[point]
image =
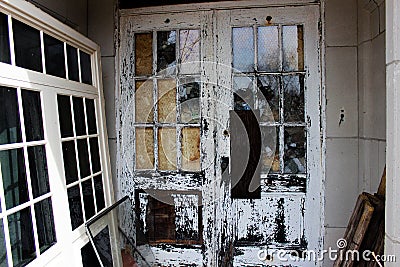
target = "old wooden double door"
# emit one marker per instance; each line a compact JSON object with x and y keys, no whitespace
{"x":183,"y":77}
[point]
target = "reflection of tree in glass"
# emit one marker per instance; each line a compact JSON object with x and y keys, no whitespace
{"x":166,"y":42}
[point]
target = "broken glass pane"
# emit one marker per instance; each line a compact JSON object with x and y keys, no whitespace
{"x":144,"y":148}
{"x":243,"y":93}
{"x":166,"y":54}
{"x":295,"y":150}
{"x":268,"y":49}
{"x":293,"y":101}
{"x":191,"y":149}
{"x":167,"y":148}
{"x":166,"y":100}
{"x":144,"y":108}
{"x":268,"y":98}
{"x":143,"y":54}
{"x":189,"y":49}
{"x":293,"y":48}
{"x":189,"y":100}
{"x":243,"y":49}
{"x":270,"y":149}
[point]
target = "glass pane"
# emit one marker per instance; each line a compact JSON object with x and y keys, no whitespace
{"x":32,"y":115}
{"x":144,"y":108}
{"x":295,"y":150}
{"x":189,"y":46}
{"x":14,"y":177}
{"x":10,"y":129}
{"x":64,"y":115}
{"x":189,"y":100}
{"x":293,"y":48}
{"x":28,"y":53}
{"x":70,"y":165}
{"x":72,"y":60}
{"x":167,"y":148}
{"x":144,"y":148}
{"x":191,"y":149}
{"x":293,"y":88}
{"x":94,"y":153}
{"x":54,"y":56}
{"x":167,"y":100}
{"x":99,"y":191}
{"x":268,"y":49}
{"x":103,"y":248}
{"x":91,"y":116}
{"x":45,"y":224}
{"x":83,"y":158}
{"x":143,"y":54}
{"x":86,"y":67}
{"x":38,"y":169}
{"x":166,"y":54}
{"x":21,"y":237}
{"x":88,"y":199}
{"x":268,"y":98}
{"x":3,"y":251}
{"x":75,"y":206}
{"x":79,"y":116}
{"x":5,"y":56}
{"x":243,"y":93}
{"x":243,"y":49}
{"x":270,"y":150}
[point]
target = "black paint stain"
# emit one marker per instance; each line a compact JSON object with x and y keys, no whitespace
{"x":280,"y":230}
{"x":205,"y":125}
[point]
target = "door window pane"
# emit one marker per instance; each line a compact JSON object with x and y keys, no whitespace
{"x":191,"y":149}
{"x":293,"y":48}
{"x":75,"y":207}
{"x":143,"y":54}
{"x":144,"y":108}
{"x":189,"y":100}
{"x":64,"y":115}
{"x":293,"y":89}
{"x":91,"y":116}
{"x":79,"y":116}
{"x":38,"y":170}
{"x":45,"y":224}
{"x":86,"y":67}
{"x":88,"y":199}
{"x":72,"y":61}
{"x":83,"y":158}
{"x":167,"y":148}
{"x":54,"y":56}
{"x":243,"y":93}
{"x":167,"y":100}
{"x":21,"y":237}
{"x":295,"y":150}
{"x":268,"y":49}
{"x":243,"y":49}
{"x":28,"y":53}
{"x":99,"y":191}
{"x":10,"y":129}
{"x":32,"y":115}
{"x":14,"y":177}
{"x":5,"y":56}
{"x":189,"y":51}
{"x":270,"y":161}
{"x":144,"y":148}
{"x":70,"y":165}
{"x":166,"y":54}
{"x":268,"y":98}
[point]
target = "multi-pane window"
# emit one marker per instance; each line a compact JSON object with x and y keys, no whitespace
{"x":81,"y":155}
{"x":268,"y":76}
{"x":26,"y":212}
{"x":28,"y":43}
{"x":167,"y":100}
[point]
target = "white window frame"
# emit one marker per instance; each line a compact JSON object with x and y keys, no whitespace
{"x":69,"y":243}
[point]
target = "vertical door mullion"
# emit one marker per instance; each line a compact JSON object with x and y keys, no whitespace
{"x":155,"y":101}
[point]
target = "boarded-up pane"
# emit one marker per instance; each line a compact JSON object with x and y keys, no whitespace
{"x":167,"y":100}
{"x":143,"y":53}
{"x":144,"y":101}
{"x":293,"y":48}
{"x":191,"y":149}
{"x":167,"y":149}
{"x":144,"y":148}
